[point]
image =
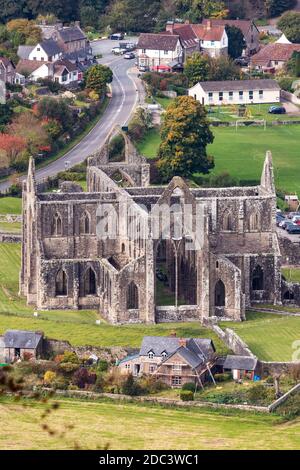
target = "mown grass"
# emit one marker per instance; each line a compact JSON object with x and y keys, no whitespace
{"x":271,"y":337}
{"x":14,"y":227}
{"x":291,"y":274}
{"x":127,"y":426}
{"x":77,"y":327}
{"x":10,"y":205}
{"x":241,"y":152}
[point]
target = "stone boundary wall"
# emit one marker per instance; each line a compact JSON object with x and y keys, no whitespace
{"x":284,"y":397}
{"x":156,"y":400}
{"x":231,"y":339}
{"x":290,"y":250}
{"x":290,"y":97}
{"x":6,"y":237}
{"x":179,"y":314}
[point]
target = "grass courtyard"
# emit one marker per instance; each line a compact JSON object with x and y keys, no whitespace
{"x":134,"y":426}
{"x":241,"y":152}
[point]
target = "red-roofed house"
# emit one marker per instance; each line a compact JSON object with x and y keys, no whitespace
{"x":274,"y":55}
{"x":210,"y":39}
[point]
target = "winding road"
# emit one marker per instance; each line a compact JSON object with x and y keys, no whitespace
{"x":124,"y":98}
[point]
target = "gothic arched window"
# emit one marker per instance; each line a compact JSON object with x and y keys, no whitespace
{"x":61,"y":283}
{"x":258,"y":278}
{"x":220,"y":294}
{"x":85,"y":224}
{"x":132,"y":297}
{"x":90,"y":287}
{"x":57,"y":225}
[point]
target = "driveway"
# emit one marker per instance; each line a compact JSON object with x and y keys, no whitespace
{"x":125,"y":96}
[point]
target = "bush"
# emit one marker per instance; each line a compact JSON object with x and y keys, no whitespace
{"x":71,"y":357}
{"x":99,"y":384}
{"x":49,"y":377}
{"x":259,"y":393}
{"x":68,"y":367}
{"x":150,"y":384}
{"x":102,"y":366}
{"x":186,"y":395}
{"x":223,"y":377}
{"x":82,"y":377}
{"x":131,"y":387}
{"x":190,"y":386}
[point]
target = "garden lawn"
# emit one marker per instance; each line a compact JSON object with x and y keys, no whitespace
{"x":14,"y":227}
{"x":127,"y":426}
{"x":291,"y":274}
{"x":270,"y":337}
{"x":241,"y":153}
{"x":10,"y":205}
{"x":77,"y":327}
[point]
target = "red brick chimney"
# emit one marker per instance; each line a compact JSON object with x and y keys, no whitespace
{"x":170,"y":27}
{"x":182,"y":342}
{"x":208,"y":25}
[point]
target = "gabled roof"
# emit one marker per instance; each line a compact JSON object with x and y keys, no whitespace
{"x":71,"y":33}
{"x":274,"y":52}
{"x":50,"y":47}
{"x":61,"y":65}
{"x":206,"y":33}
{"x":240,"y":363}
{"x":24,"y":51}
{"x":243,"y":25}
{"x":239,"y":85}
{"x":30,"y":66}
{"x":158,"y":42}
{"x":22,"y":339}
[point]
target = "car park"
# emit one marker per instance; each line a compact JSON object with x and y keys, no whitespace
{"x":285,"y":223}
{"x":277,"y":110}
{"x":293,"y":214}
{"x":117,"y":36}
{"x":129,"y":55}
{"x":293,"y":229}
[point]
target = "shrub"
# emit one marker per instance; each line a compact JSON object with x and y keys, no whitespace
{"x":27,"y":356}
{"x":223,"y":377}
{"x":131,"y":387}
{"x":102,"y":366}
{"x":259,"y":393}
{"x":190,"y":386}
{"x":150,"y":384}
{"x":99,"y":384}
{"x":68,"y":367}
{"x":186,"y":395}
{"x":49,"y":377}
{"x":82,"y":377}
{"x":71,"y":357}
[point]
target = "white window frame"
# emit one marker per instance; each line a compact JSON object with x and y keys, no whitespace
{"x":176,"y":380}
{"x":177,"y":367}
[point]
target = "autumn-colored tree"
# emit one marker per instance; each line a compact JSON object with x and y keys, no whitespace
{"x":11,"y":146}
{"x":97,"y":77}
{"x":197,"y":68}
{"x":29,"y":128}
{"x":24,"y":31}
{"x":185,"y":135}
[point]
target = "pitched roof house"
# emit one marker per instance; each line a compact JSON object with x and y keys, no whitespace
{"x":241,"y":366}
{"x":174,"y":361}
{"x":62,"y":71}
{"x":208,"y":38}
{"x":248,"y":28}
{"x":158,"y":50}
{"x":46,"y":51}
{"x":274,"y":55}
{"x":7,"y":70}
{"x":72,"y":40}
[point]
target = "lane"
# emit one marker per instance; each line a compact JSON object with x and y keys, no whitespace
{"x":118,"y":112}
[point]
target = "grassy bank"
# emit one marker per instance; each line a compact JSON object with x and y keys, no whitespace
{"x":130,"y":426}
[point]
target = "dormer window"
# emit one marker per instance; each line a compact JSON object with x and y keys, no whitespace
{"x":164,"y":354}
{"x":151,"y":354}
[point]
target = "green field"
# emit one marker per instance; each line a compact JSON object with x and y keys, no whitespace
{"x":291,"y":275}
{"x":14,"y":227}
{"x":125,"y":426}
{"x":10,"y":205}
{"x":270,"y":337}
{"x":241,"y":153}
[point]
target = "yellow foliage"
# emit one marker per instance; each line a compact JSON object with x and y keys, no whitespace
{"x":49,"y":377}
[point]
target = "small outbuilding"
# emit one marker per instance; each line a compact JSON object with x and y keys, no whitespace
{"x":242,"y":367}
{"x":17,"y":344}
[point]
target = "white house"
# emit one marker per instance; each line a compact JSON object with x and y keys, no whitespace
{"x":154,"y":50}
{"x":62,"y":71}
{"x":236,"y":92}
{"x":46,"y":51}
{"x":65,"y":73}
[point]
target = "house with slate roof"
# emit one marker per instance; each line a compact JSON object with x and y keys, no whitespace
{"x":46,"y":51}
{"x":174,"y":361}
{"x":17,"y":343}
{"x":242,"y":367}
{"x":159,"y":50}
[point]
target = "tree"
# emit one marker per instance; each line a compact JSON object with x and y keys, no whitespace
{"x":277,"y":7}
{"x":185,"y":135}
{"x":57,"y":110}
{"x":236,"y":41}
{"x":289,"y":23}
{"x":24,"y":31}
{"x":31,"y":130}
{"x":11,"y":146}
{"x":223,"y":68}
{"x":197,"y":68}
{"x":131,"y":387}
{"x":196,"y":10}
{"x":97,"y":78}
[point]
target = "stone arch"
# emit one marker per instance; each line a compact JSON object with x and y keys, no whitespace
{"x":57,"y":225}
{"x":116,"y":149}
{"x":227,"y":221}
{"x":85,"y":223}
{"x":61,"y":283}
{"x":132,"y":297}
{"x":122,"y":179}
{"x":220,"y":294}
{"x":89,"y":282}
{"x":288,"y":295}
{"x":254,"y":221}
{"x":258,"y":279}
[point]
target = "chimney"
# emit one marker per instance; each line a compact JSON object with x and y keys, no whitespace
{"x":77,"y":23}
{"x":170,"y":27}
{"x":173,"y":334}
{"x":208,"y":24}
{"x":182,"y":342}
{"x":187,"y":22}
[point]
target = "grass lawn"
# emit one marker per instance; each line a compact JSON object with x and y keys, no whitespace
{"x":14,"y":227}
{"x":10,"y":205}
{"x":78,"y":327}
{"x":269,"y":336}
{"x":126,"y":426}
{"x":291,"y":274}
{"x":255,"y":112}
{"x":242,"y":152}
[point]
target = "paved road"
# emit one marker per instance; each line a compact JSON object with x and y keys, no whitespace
{"x":124,"y":99}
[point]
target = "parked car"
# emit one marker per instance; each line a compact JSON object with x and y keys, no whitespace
{"x":129,"y":55}
{"x":293,"y":229}
{"x":144,"y":68}
{"x":279,"y":218}
{"x":118,"y":51}
{"x":117,"y":37}
{"x":293,"y":214}
{"x":242,"y":61}
{"x":285,"y":223}
{"x":277,"y":110}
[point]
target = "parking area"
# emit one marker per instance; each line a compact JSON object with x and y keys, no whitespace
{"x":288,"y":226}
